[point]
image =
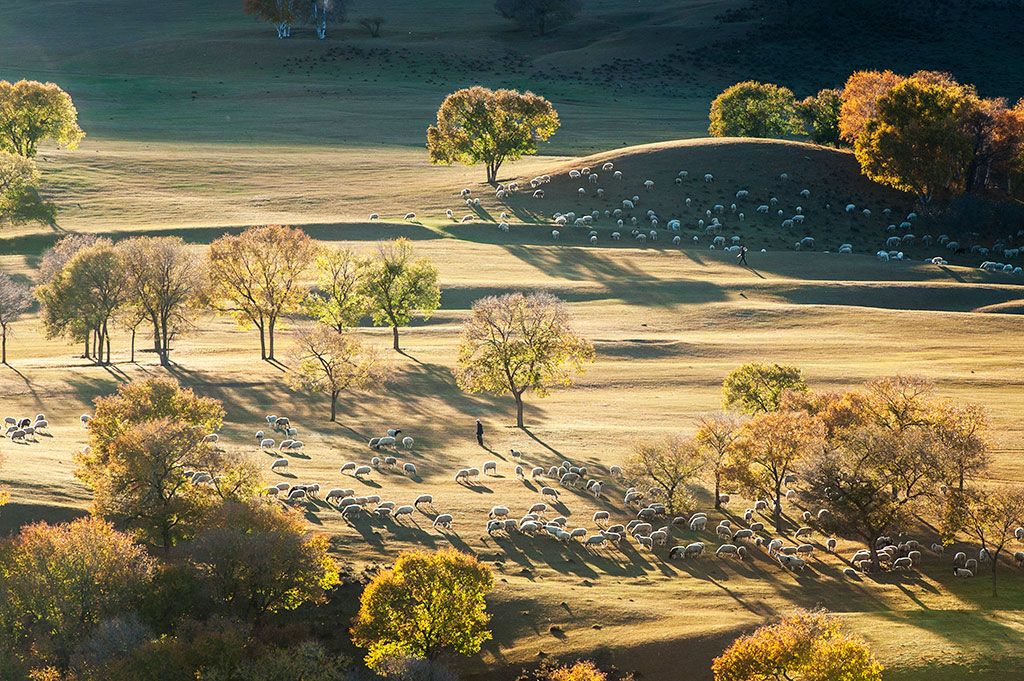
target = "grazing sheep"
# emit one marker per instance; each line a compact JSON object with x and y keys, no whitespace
{"x":279,"y":463}
{"x":549,"y":492}
{"x":444,"y":520}
{"x":960,"y":558}
{"x":726,"y":550}
{"x":554,"y":234}
{"x":802,"y":531}
{"x":350,"y":466}
{"x":520,"y":473}
{"x":971,"y":565}
{"x":830,"y":545}
{"x":723,"y":499}
{"x":537,"y":473}
{"x":402,"y":510}
{"x":491,"y":467}
{"x":499,"y":512}
{"x":688,"y":551}
{"x":409,"y":469}
{"x":962,"y":573}
{"x":362,"y":470}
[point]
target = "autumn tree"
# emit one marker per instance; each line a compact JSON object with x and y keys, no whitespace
{"x":82,"y":298}
{"x":752,"y":109}
{"x":426,"y":604}
{"x":20,"y":201}
{"x":61,"y":580}
{"x":258,"y":558}
{"x":716,"y":435}
{"x":918,"y":141}
{"x":988,"y":516}
{"x":31,"y":112}
{"x":145,"y":481}
{"x":860,"y":97}
{"x":584,"y":670}
{"x":805,"y":646}
{"x":15,"y":299}
{"x":57,"y":256}
{"x":331,"y":362}
{"x":477,"y":125}
{"x":671,"y":464}
{"x":757,"y":387}
{"x":820,"y":116}
{"x":280,"y":13}
{"x":770,"y":447}
{"x":997,"y":135}
{"x":514,"y":344}
{"x":963,"y":431}
{"x":539,"y":15}
{"x":142,"y":401}
{"x":396,"y":286}
{"x":257,"y":277}
{"x":337,"y":300}
{"x":168,"y":285}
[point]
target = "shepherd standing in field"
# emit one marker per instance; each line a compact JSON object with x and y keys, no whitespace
{"x":479,"y":433}
{"x":742,"y":257}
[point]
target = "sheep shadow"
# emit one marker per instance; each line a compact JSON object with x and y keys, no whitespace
{"x":292,"y":476}
{"x":369,"y":483}
{"x":478,"y":488}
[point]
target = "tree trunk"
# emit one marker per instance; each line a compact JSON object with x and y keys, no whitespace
{"x":394,"y":330}
{"x":3,"y":347}
{"x":777,"y":513}
{"x":133,"y":346}
{"x":334,"y":405}
{"x":263,"y":342}
{"x":86,"y":346}
{"x":270,"y":338}
{"x":519,"y":409}
{"x":995,"y":563}
{"x":718,"y":492}
{"x":873,"y":547}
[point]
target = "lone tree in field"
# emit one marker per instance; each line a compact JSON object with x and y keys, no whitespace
{"x":332,"y":362}
{"x":806,"y":646}
{"x":671,"y":464}
{"x":513,"y":344}
{"x":716,"y":435}
{"x":61,"y":581}
{"x":373,"y":25}
{"x":426,"y":604}
{"x":141,"y":485}
{"x":396,"y":286}
{"x":257,"y":558}
{"x":770,"y":447}
{"x":168,"y":285}
{"x":756,"y":388}
{"x":477,"y":125}
{"x":280,"y":13}
{"x":31,"y":112}
{"x":319,"y":12}
{"x":918,"y":140}
{"x":337,"y":300}
{"x":988,"y":516}
{"x":539,"y":15}
{"x":15,"y":299}
{"x":256,"y":276}
{"x":752,"y":109}
{"x":19,"y":193}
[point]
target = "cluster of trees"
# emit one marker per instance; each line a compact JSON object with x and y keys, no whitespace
{"x":539,"y":16}
{"x":879,"y":459}
{"x":31,"y":112}
{"x":478,"y":125}
{"x":926,"y":133}
{"x":283,"y":14}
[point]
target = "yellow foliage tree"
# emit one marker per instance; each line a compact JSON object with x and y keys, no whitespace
{"x":584,"y":670}
{"x":396,"y":286}
{"x":669,"y":464}
{"x":426,"y":604}
{"x":806,"y":646}
{"x":31,"y":112}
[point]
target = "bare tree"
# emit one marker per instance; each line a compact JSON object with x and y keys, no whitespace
{"x":15,"y":299}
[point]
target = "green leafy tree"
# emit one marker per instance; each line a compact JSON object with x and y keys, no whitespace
{"x":337,"y":300}
{"x":757,"y":387}
{"x":331,"y":362}
{"x":670,"y":464}
{"x":146,"y":483}
{"x":257,"y":277}
{"x":60,"y":581}
{"x":539,"y":15}
{"x":31,"y":112}
{"x":918,"y":140}
{"x":425,"y":605}
{"x":397,"y":286}
{"x":752,"y":109}
{"x":19,"y":192}
{"x":257,"y":558}
{"x":477,"y":125}
{"x":514,"y":344}
{"x":820,"y":116}
{"x":15,"y":299}
{"x":805,"y":646}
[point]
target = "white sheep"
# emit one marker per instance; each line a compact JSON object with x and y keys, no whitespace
{"x":409,"y":469}
{"x":554,"y":234}
{"x":267,"y":443}
{"x":279,"y":463}
{"x":362,"y":470}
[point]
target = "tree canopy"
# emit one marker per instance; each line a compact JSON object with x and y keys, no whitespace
{"x":20,"y":201}
{"x":31,"y":112}
{"x":820,"y":115}
{"x":337,"y":300}
{"x":477,"y":125}
{"x":670,"y":464}
{"x":539,"y":15}
{"x":752,"y":109}
{"x":15,"y":299}
{"x":757,"y":387}
{"x":396,"y":286}
{"x":516,"y":344}
{"x":426,"y":604}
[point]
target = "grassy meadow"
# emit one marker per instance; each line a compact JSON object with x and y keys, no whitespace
{"x":200,"y":122}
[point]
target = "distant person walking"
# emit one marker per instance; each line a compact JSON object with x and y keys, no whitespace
{"x":742,"y":257}
{"x":479,"y":433}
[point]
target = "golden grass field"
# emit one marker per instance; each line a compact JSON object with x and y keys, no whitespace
{"x":667,"y":323}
